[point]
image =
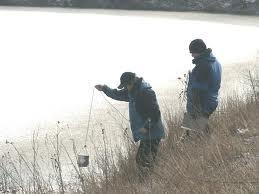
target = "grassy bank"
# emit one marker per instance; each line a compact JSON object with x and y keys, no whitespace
{"x":226,"y":163}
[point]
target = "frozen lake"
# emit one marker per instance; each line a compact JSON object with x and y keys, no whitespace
{"x":51,"y":58}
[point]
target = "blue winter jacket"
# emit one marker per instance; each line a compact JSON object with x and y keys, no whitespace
{"x":204,"y":84}
{"x":143,"y":109}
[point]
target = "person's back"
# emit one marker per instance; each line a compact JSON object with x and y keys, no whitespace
{"x":214,"y":81}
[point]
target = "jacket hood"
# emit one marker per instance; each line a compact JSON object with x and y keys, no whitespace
{"x":144,"y":84}
{"x":205,"y":57}
{"x":140,"y":85}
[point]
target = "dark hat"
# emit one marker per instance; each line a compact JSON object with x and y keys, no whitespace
{"x":126,"y":78}
{"x":197,"y":46}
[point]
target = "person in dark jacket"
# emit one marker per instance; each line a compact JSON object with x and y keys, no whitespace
{"x":203,"y":88}
{"x":144,"y":113}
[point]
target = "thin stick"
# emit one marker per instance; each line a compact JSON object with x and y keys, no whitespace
{"x":114,"y":107}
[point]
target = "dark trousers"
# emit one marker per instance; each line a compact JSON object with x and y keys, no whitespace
{"x":147,"y":153}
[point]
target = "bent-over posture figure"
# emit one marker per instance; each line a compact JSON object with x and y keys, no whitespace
{"x":144,"y":113}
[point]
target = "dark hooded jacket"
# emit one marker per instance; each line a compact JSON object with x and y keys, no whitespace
{"x":143,"y":109}
{"x":204,"y":84}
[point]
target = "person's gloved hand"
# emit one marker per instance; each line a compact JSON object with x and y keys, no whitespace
{"x":99,"y":87}
{"x":143,"y":130}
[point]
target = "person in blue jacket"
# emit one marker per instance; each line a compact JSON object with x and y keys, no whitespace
{"x":203,"y":88}
{"x":144,"y":113}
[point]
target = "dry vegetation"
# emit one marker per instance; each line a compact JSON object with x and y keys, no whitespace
{"x":226,"y":163}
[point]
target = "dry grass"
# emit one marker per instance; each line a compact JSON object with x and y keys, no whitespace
{"x":224,"y":164}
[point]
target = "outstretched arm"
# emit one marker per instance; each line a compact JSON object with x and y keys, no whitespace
{"x":121,"y":95}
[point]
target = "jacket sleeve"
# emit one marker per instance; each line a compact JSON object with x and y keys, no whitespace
{"x":194,"y":91}
{"x":200,"y":85}
{"x":202,"y":75}
{"x":153,"y":113}
{"x":196,"y":100}
{"x":121,"y":95}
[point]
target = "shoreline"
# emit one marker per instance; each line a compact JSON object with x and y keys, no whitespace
{"x":248,"y":7}
{"x":226,"y":18}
